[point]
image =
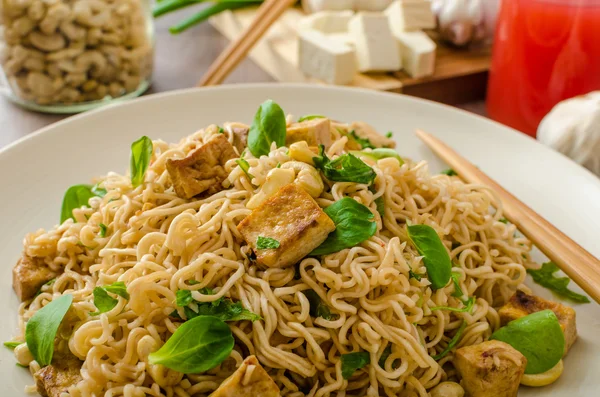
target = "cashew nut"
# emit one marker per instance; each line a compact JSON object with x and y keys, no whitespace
{"x":307,"y":177}
{"x":94,"y":13}
{"x":75,"y":79}
{"x":89,"y":86}
{"x":301,"y":152}
{"x":55,"y":15}
{"x":448,"y":389}
{"x":74,"y":49}
{"x":42,"y":85}
{"x":91,"y":60}
{"x":36,"y":64}
{"x":93,"y":36}
{"x":276,"y":179}
{"x":72,"y":31}
{"x":23,"y":25}
{"x":51,"y":42}
{"x":36,"y":10}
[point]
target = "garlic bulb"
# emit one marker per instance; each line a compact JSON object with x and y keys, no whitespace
{"x":463,"y":22}
{"x":573,"y":129}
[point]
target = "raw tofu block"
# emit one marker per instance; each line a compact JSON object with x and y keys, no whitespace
{"x":249,"y":380}
{"x":54,"y":380}
{"x":376,"y":48}
{"x":418,"y":53}
{"x":326,"y":59}
{"x":490,"y":368}
{"x":371,"y":5}
{"x":315,"y":132}
{"x":327,"y":22}
{"x":294,"y":219}
{"x":521,"y":305}
{"x":407,"y":15}
{"x":311,"y":6}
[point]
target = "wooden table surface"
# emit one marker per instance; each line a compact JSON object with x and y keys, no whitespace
{"x":180,"y":61}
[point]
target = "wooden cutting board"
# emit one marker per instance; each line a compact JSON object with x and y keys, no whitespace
{"x":460,"y":75}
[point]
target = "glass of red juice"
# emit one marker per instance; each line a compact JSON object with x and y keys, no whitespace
{"x":544,"y":51}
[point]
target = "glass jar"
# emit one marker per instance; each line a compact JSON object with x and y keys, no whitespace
{"x":544,"y":51}
{"x":67,"y":56}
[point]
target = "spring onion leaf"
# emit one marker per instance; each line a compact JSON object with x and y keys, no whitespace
{"x":469,"y":303}
{"x":12,"y":345}
{"x":263,"y":243}
{"x":435,"y":257}
{"x":103,"y":229}
{"x":269,"y":126}
{"x":379,"y":153}
{"x":310,"y":117}
{"x":455,"y":339}
{"x":414,"y":275}
{"x":245,"y":166}
{"x":503,"y":220}
{"x":363,"y":142}
{"x":139,"y":160}
{"x":354,"y":361}
{"x":538,"y":337}
{"x":42,"y":327}
{"x":449,"y":172}
{"x":545,"y":277}
{"x":198,"y":345}
{"x":77,"y":196}
{"x":317,"y":307}
{"x":458,"y":293}
{"x":346,"y":168}
{"x":354,"y":223}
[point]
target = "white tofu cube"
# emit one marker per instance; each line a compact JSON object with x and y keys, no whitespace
{"x":407,"y":15}
{"x":371,"y":5}
{"x":328,"y":22}
{"x":326,"y":59}
{"x":311,"y":6}
{"x":418,"y":53}
{"x":376,"y":49}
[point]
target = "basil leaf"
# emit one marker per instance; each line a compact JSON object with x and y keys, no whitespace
{"x":139,"y":160}
{"x":449,"y":172}
{"x":12,"y":345}
{"x":198,"y":345}
{"x":363,"y":142}
{"x":352,"y":362}
{"x":458,"y":292}
{"x":103,"y":229}
{"x":311,"y":117}
{"x":117,"y":288}
{"x":184,"y":297}
{"x":346,"y":168}
{"x":379,"y":153}
{"x":103,"y":301}
{"x":245,"y":166}
{"x":469,"y":303}
{"x":223,"y":309}
{"x":435,"y":257}
{"x":317,"y":307}
{"x":455,"y":339}
{"x":545,"y":277}
{"x":380,"y":203}
{"x":538,"y":337}
{"x":263,"y":243}
{"x":269,"y":126}
{"x":76,"y":196}
{"x":414,"y":275}
{"x":354,"y":223}
{"x":42,"y":327}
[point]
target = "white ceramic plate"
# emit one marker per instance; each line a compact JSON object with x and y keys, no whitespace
{"x":36,"y":171}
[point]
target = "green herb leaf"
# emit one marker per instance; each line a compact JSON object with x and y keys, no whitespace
{"x":346,"y":168}
{"x":468,"y":307}
{"x":76,"y":196}
{"x":503,"y":220}
{"x":455,"y":339}
{"x":458,"y":292}
{"x":263,"y":243}
{"x":354,"y":223}
{"x":538,"y":337}
{"x":223,"y":309}
{"x":99,"y":191}
{"x":103,"y":229}
{"x":198,"y":345}
{"x":363,"y":142}
{"x":435,"y":257}
{"x":42,"y":327}
{"x":117,"y":288}
{"x":414,"y":275}
{"x":269,"y":126}
{"x":220,"y":130}
{"x":47,"y":283}
{"x":545,"y":277}
{"x":380,"y":203}
{"x":384,"y":355}
{"x":379,"y":153}
{"x":311,"y":117}
{"x":317,"y":307}
{"x":245,"y":166}
{"x":354,"y":361}
{"x":184,"y":297}
{"x":12,"y":345}
{"x":449,"y":172}
{"x":389,"y":134}
{"x":141,"y":153}
{"x":103,"y":301}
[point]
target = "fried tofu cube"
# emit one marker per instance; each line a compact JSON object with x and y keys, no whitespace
{"x":365,"y":131}
{"x":203,"y":170}
{"x":29,"y":274}
{"x":315,"y":132}
{"x":521,"y":305}
{"x":490,"y":368}
{"x":293,"y":219}
{"x":240,"y":135}
{"x":55,"y":379}
{"x":249,"y":380}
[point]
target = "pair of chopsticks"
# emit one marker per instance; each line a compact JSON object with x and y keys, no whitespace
{"x":581,"y":266}
{"x":237,"y":50}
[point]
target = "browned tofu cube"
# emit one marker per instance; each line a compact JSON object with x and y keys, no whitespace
{"x":202,"y":171}
{"x":55,"y":379}
{"x":490,"y":368}
{"x":249,"y":380}
{"x":29,"y":274}
{"x":521,"y":305}
{"x":365,"y":131}
{"x":240,"y":135}
{"x":294,"y":219}
{"x":315,"y":132}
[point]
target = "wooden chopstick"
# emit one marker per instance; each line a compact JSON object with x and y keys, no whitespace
{"x":581,"y":266}
{"x":237,"y":50}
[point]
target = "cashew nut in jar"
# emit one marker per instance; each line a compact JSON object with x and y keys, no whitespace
{"x":94,"y":13}
{"x":54,"y":16}
{"x":276,"y":179}
{"x":307,"y":177}
{"x":52,"y":42}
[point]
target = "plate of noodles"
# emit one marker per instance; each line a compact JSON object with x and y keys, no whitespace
{"x":287,"y":240}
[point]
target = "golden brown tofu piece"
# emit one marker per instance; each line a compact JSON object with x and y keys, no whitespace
{"x":203,"y":169}
{"x":294,"y":219}
{"x":240,"y":135}
{"x":249,"y":380}
{"x":364,"y":131}
{"x":521,"y":305}
{"x":29,"y":274}
{"x":490,"y":368}
{"x":55,"y":379}
{"x":315,"y":132}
